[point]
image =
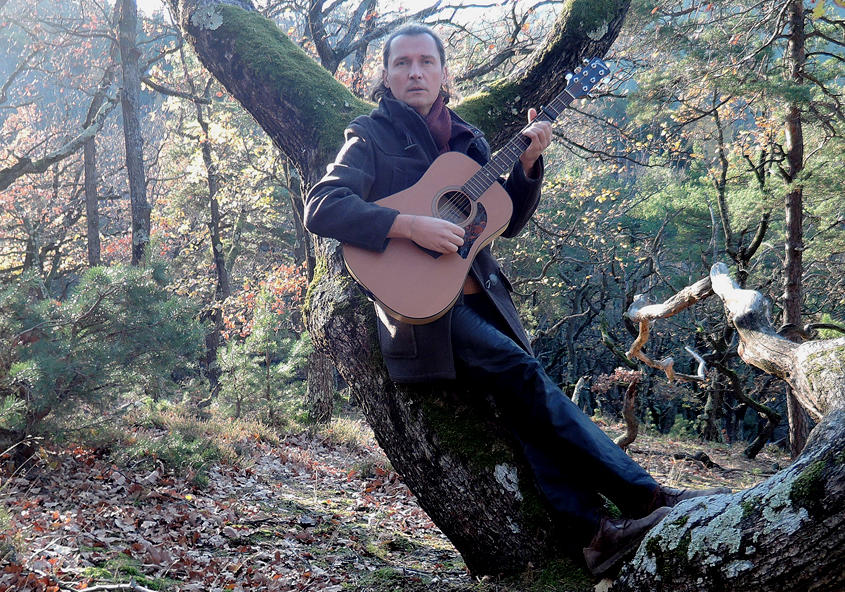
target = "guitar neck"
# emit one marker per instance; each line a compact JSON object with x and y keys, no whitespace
{"x":505,"y":158}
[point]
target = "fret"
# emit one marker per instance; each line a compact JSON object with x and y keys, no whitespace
{"x":505,"y":158}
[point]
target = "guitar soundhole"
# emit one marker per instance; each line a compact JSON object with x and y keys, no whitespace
{"x":454,"y":206}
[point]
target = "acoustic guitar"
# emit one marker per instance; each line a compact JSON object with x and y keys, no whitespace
{"x":418,"y":286}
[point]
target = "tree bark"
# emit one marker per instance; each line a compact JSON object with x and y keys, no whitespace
{"x":131,"y":105}
{"x":465,"y":474}
{"x":632,"y":424}
{"x":223,"y":288}
{"x":799,"y":423}
{"x":89,"y":151}
{"x":92,"y":204}
{"x":320,"y":387}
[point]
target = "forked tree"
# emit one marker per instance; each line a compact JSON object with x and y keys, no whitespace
{"x":449,"y":446}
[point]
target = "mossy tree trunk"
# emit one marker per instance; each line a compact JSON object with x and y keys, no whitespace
{"x":785,"y":534}
{"x":448,"y":446}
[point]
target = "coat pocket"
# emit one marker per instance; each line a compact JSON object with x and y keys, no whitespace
{"x":398,"y":339}
{"x":398,"y":180}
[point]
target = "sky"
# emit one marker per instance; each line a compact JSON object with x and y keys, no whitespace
{"x":150,"y":6}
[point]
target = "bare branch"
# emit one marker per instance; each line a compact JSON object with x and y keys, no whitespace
{"x":172,"y":92}
{"x":645,"y":314}
{"x":26,"y":166}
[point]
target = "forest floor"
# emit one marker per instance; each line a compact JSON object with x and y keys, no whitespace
{"x":302,"y":514}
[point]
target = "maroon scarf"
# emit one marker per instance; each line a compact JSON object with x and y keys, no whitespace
{"x":439,"y":123}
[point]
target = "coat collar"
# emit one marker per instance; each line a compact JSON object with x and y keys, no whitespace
{"x":409,"y":123}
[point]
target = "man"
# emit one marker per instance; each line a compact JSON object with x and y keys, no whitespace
{"x":480,"y":340}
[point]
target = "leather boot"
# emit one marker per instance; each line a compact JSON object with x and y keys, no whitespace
{"x":668,"y":497}
{"x":617,"y":537}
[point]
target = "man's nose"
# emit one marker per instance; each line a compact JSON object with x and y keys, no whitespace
{"x":416,"y":71}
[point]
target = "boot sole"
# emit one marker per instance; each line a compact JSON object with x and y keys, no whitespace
{"x":618,"y":556}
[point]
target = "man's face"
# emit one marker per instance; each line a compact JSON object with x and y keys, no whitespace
{"x":414,"y":73}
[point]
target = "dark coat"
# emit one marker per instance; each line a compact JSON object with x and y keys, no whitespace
{"x":388,"y":151}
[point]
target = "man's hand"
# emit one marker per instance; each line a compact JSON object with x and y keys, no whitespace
{"x":428,"y":232}
{"x":540,"y":134}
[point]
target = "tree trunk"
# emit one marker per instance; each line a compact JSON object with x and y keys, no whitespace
{"x":632,"y":424}
{"x":131,"y":105}
{"x":92,"y":198}
{"x":799,"y":423}
{"x":450,"y":450}
{"x":581,"y":395}
{"x":320,"y":387}
{"x":448,"y":445}
{"x":92,"y":204}
{"x":223,"y":288}
{"x":321,"y":373}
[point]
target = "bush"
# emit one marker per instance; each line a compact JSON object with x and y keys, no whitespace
{"x":120,"y":335}
{"x":682,"y":428}
{"x":263,"y":375}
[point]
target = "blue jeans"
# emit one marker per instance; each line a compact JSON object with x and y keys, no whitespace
{"x":573,"y":461}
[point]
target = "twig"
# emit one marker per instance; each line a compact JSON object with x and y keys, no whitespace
{"x":631,"y":421}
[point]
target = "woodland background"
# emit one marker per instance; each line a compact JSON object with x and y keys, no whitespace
{"x":153,"y":260}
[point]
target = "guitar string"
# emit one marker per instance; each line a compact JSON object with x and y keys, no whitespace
{"x":483,"y":179}
{"x":454,"y":208}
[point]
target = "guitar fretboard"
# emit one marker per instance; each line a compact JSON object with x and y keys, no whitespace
{"x":505,"y":158}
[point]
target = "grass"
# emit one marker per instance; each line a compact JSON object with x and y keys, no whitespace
{"x":125,"y":569}
{"x":185,"y":442}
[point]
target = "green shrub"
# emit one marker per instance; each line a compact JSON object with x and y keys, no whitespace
{"x":263,"y":375}
{"x":119,"y":335}
{"x":682,"y":429}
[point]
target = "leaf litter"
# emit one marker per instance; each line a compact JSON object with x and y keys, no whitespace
{"x":303,"y":514}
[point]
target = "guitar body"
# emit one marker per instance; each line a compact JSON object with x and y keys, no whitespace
{"x":418,"y":286}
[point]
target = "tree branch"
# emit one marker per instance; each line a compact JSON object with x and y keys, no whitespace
{"x":26,"y":166}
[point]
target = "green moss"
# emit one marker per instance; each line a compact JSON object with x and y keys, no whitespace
{"x":271,"y":56}
{"x":534,"y":508}
{"x":588,"y":15}
{"x":123,"y":568}
{"x":750,"y":507}
{"x":390,"y":580}
{"x":681,"y":521}
{"x":320,"y":270}
{"x":463,"y":433}
{"x":341,"y":283}
{"x":560,"y":576}
{"x":489,"y":108}
{"x":669,"y":561}
{"x":808,"y":490}
{"x":471,"y":438}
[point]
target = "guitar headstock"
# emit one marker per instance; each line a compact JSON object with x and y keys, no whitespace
{"x":586,"y":77}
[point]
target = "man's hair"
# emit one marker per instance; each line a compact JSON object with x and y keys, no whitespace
{"x":411,"y":29}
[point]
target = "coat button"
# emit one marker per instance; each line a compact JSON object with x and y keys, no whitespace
{"x":492,"y":280}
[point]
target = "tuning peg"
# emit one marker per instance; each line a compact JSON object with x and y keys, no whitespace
{"x":578,"y":70}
